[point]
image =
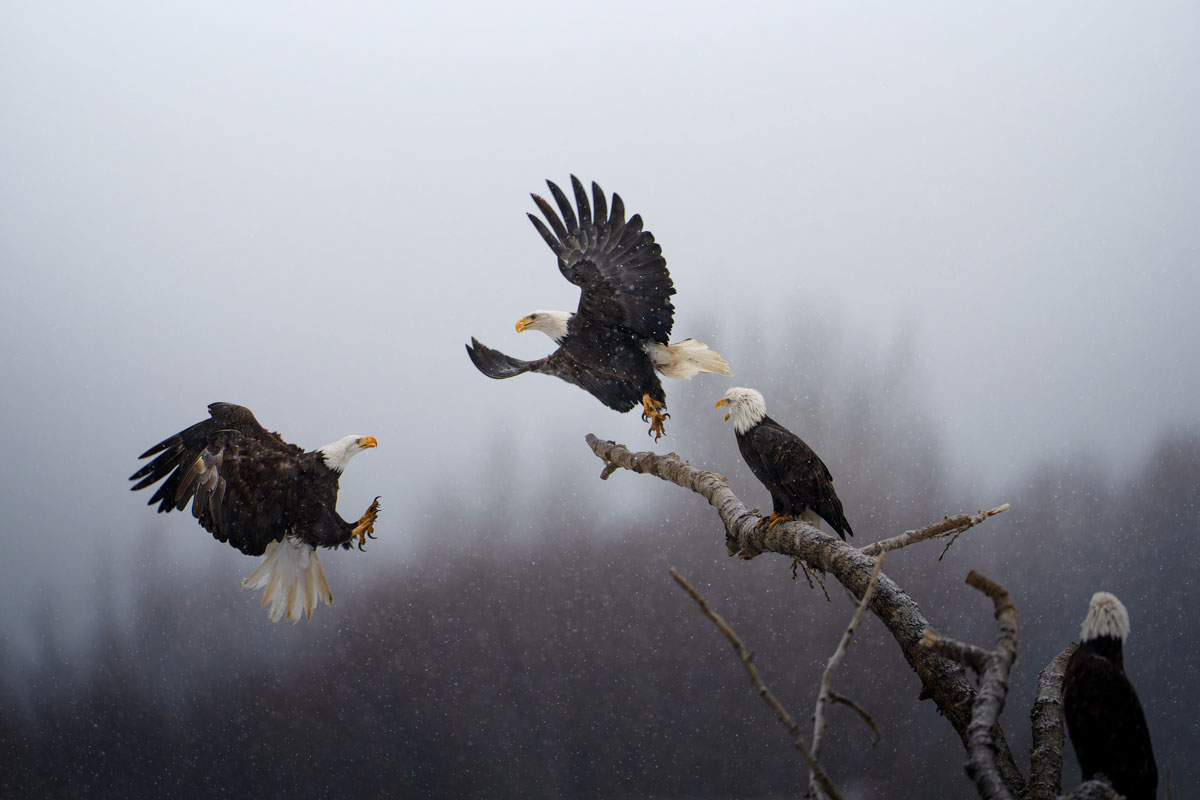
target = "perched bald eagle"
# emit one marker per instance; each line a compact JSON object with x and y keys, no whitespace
{"x":250,"y":488}
{"x":799,"y":482}
{"x":616,"y":341}
{"x":1104,"y":716}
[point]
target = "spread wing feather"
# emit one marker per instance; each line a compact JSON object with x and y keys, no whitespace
{"x":618,"y":266}
{"x":245,"y":484}
{"x":615,"y":391}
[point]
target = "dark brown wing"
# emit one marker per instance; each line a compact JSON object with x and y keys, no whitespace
{"x":615,"y":390}
{"x":1107,"y":725}
{"x":617,"y":265}
{"x":245,"y":484}
{"x":794,"y":473}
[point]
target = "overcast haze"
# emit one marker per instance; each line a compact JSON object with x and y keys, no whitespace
{"x":309,"y":209}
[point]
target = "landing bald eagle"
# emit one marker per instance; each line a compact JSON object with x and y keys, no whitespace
{"x":1104,"y":716}
{"x":799,"y":482}
{"x":616,"y":340}
{"x":250,"y":488}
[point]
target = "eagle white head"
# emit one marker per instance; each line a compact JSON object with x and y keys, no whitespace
{"x":1106,"y":617}
{"x":746,"y":407}
{"x":551,"y":323}
{"x":338,"y":454}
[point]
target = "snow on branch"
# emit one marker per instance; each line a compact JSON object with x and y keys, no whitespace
{"x":942,"y":679}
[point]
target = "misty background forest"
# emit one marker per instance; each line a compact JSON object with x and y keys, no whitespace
{"x":537,"y":647}
{"x":954,"y":246}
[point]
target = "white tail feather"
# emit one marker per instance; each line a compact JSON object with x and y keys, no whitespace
{"x":685,"y":359}
{"x":294,"y":580}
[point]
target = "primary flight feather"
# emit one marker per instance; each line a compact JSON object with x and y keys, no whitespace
{"x":615,"y":344}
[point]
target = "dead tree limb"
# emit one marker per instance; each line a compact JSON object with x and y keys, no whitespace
{"x":947,"y":527}
{"x":826,"y":695}
{"x":746,"y":656}
{"x":1049,"y":734}
{"x":993,"y":668}
{"x":942,"y":680}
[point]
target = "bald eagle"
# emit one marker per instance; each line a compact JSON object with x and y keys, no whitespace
{"x":617,"y":339}
{"x":1104,"y":716}
{"x":250,"y":488}
{"x":799,"y":482}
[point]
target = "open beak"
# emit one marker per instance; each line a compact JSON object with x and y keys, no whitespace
{"x":723,"y":402}
{"x":523,"y":323}
{"x":368,"y":441}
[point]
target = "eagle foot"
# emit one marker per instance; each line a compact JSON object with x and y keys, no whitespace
{"x":366,"y":524}
{"x":774,"y":520}
{"x":654,"y":413}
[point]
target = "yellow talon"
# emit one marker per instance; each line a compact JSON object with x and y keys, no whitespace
{"x":366,"y":524}
{"x":774,"y":520}
{"x":652,"y":412}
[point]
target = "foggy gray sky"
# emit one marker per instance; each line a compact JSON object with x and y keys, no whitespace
{"x":309,"y":209}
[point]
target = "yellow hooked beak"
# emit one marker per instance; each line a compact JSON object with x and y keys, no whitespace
{"x":723,"y":402}
{"x":523,"y":323}
{"x":367,"y":441}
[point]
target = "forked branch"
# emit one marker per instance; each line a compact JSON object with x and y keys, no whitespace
{"x":993,"y":667}
{"x":827,"y":695}
{"x":746,"y":656}
{"x":942,"y":680}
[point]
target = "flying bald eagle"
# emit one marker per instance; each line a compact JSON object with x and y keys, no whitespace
{"x":1104,"y":716}
{"x":250,"y":488}
{"x":616,"y":341}
{"x":799,"y":482}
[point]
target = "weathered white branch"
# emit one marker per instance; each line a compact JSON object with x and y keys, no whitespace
{"x":993,"y":668}
{"x":942,"y":680}
{"x":948,"y":527}
{"x":747,"y":658}
{"x":825,"y":696}
{"x":1049,"y":734}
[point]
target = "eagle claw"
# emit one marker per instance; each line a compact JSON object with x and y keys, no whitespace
{"x":773,"y":520}
{"x":366,"y":525}
{"x":654,"y":413}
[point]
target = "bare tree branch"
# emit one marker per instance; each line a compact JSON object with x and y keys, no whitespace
{"x":942,"y":680}
{"x":747,"y":658}
{"x":950,"y":525}
{"x":993,"y":687}
{"x":862,"y":712}
{"x":1092,"y":790}
{"x":1049,"y":736}
{"x":825,"y":696}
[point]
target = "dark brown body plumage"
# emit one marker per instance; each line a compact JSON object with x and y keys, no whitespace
{"x":246,"y":485}
{"x":1105,"y":719}
{"x":794,"y":475}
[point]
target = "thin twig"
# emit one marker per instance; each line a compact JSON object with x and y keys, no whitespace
{"x":835,"y":661}
{"x":747,"y":659}
{"x":862,"y":712}
{"x":950,"y":525}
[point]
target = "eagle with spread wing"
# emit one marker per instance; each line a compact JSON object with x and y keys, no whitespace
{"x":250,"y":488}
{"x":616,"y":343}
